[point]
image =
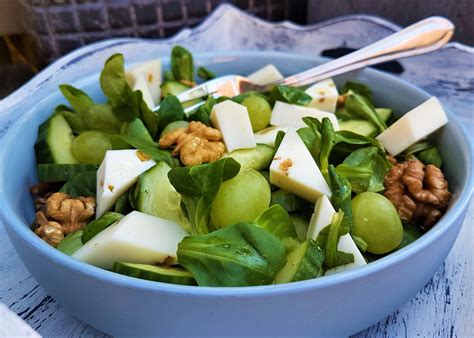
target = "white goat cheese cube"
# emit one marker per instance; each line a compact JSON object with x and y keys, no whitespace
{"x":265,"y":75}
{"x":294,"y":169}
{"x":322,"y":217}
{"x":151,"y":70}
{"x":118,"y":172}
{"x":142,"y":85}
{"x":136,"y":238}
{"x":268,"y":135}
{"x":232,"y":119}
{"x":291,"y":115}
{"x":324,"y":94}
{"x":414,"y":126}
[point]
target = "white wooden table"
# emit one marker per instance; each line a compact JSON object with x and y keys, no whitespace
{"x":444,"y":307}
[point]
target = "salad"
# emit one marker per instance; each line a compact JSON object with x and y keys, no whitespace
{"x":262,"y":188}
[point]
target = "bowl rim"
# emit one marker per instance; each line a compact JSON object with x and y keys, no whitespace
{"x":13,"y":222}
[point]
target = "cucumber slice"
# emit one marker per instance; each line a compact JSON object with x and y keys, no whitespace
{"x":173,"y":275}
{"x":361,"y":127}
{"x":154,"y":195}
{"x":54,"y":172}
{"x":305,"y":262}
{"x":258,"y":158}
{"x":384,"y":113}
{"x":123,"y":206}
{"x":54,"y":141}
{"x":176,"y":88}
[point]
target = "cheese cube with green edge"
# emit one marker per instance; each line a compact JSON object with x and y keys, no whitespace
{"x":265,"y":75}
{"x":232,"y":119}
{"x":293,"y":169}
{"x":414,"y":126}
{"x":321,"y":218}
{"x":268,"y":135}
{"x":151,"y":70}
{"x":136,"y":238}
{"x":118,"y":172}
{"x":291,"y":115}
{"x":324,"y":94}
{"x":142,"y":85}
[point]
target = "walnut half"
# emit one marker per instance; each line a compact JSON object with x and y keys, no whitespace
{"x":195,"y":144}
{"x":420,"y":193}
{"x":63,"y":215}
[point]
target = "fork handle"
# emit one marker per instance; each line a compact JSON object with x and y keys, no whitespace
{"x":422,"y":37}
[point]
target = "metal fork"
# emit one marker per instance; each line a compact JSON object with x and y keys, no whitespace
{"x":422,"y":37}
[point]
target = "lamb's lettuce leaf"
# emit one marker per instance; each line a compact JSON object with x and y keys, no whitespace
{"x":170,"y":110}
{"x":205,"y":73}
{"x":182,"y":65}
{"x":242,"y":254}
{"x":82,"y":184}
{"x":288,"y":201}
{"x":291,"y":95}
{"x":328,"y":240}
{"x":360,"y":89}
{"x":71,"y":243}
{"x":341,"y":198}
{"x":203,"y":113}
{"x":277,"y":222}
{"x":365,"y":169}
{"x":152,"y":149}
{"x":79,"y":100}
{"x":95,"y":226}
{"x":126,"y":104}
{"x":198,"y":186}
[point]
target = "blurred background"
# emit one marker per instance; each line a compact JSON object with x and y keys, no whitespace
{"x":36,"y":32}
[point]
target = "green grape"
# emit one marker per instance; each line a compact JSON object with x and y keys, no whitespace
{"x":240,"y":199}
{"x":90,"y":147}
{"x":376,"y":221}
{"x":173,"y":126}
{"x":259,"y":110}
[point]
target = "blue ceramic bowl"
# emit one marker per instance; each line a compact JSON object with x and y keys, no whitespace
{"x":341,"y":304}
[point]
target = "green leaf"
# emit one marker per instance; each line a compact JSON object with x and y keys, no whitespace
{"x":311,"y":136}
{"x":361,"y":244}
{"x":291,"y":95}
{"x":277,"y":222}
{"x":328,"y":239}
{"x":365,"y":169}
{"x":288,"y":201}
{"x":411,"y":233}
{"x":205,"y":73}
{"x":203,"y":113}
{"x":170,"y":110}
{"x":125,"y":103}
{"x":360,"y":89}
{"x":358,"y":107}
{"x":431,"y":156}
{"x":100,"y":117}
{"x":80,"y":101}
{"x":137,"y":129}
{"x":328,"y":141}
{"x":341,"y":197}
{"x":74,"y":120}
{"x":198,"y":186}
{"x":94,"y":227}
{"x":71,"y":243}
{"x":182,"y":64}
{"x":239,"y":255}
{"x":81,"y":185}
{"x":149,"y":117}
{"x":152,"y":149}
